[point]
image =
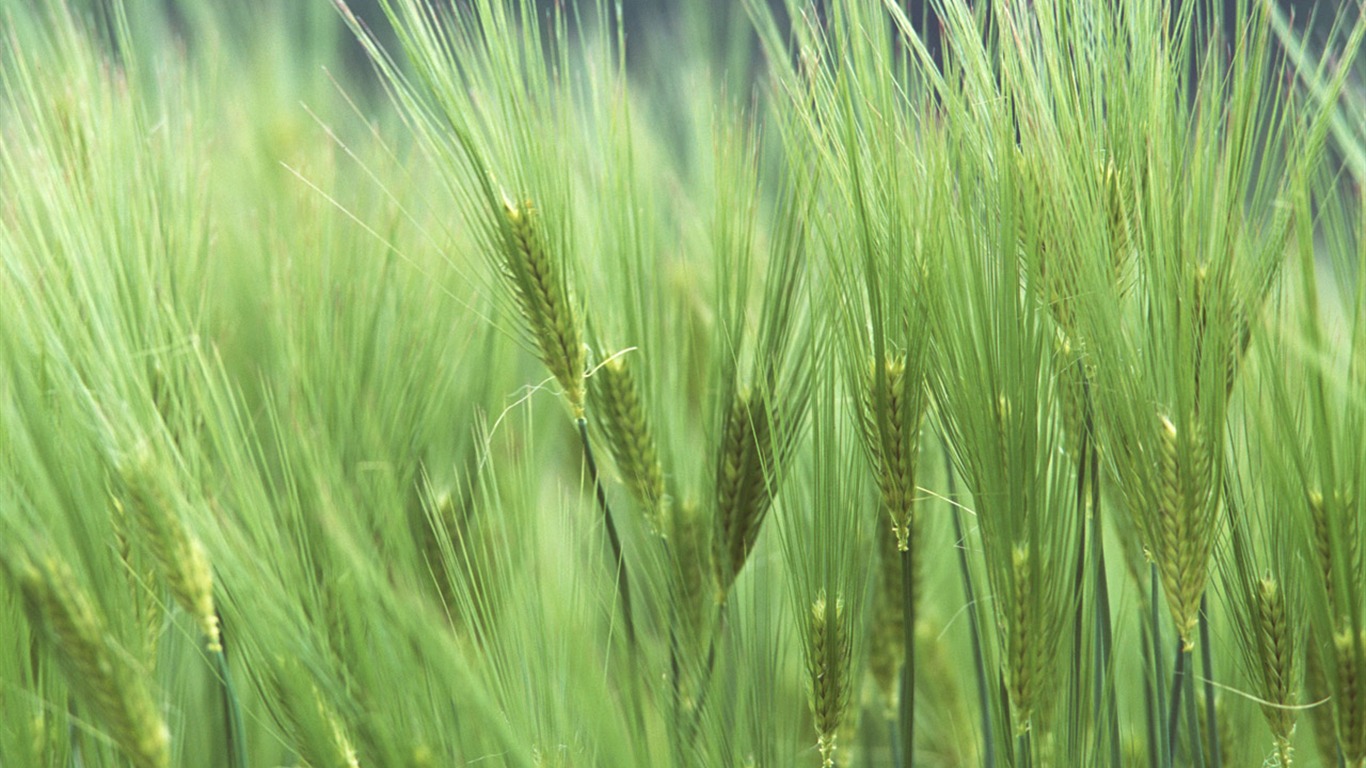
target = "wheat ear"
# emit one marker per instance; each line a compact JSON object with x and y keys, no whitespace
{"x":542,"y":295}
{"x":96,"y":667}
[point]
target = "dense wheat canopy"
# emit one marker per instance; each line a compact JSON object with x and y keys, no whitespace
{"x":843,"y":383}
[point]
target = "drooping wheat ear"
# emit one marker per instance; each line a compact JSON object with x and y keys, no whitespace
{"x":828,"y":657}
{"x":1022,"y":639}
{"x":542,"y":292}
{"x":891,"y":432}
{"x":885,"y":642}
{"x":1276,"y":647}
{"x":1185,"y":524}
{"x":618,"y":407}
{"x":177,"y":553}
{"x":96,"y":668}
{"x":1349,"y":697}
{"x":742,"y":491}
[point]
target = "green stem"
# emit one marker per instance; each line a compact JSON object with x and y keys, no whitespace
{"x":233,"y":732}
{"x":1193,"y":712}
{"x":1104,"y":694}
{"x":1075,"y":705}
{"x":908,"y":661}
{"x":621,"y":577}
{"x":1156,"y":672}
{"x":1150,"y":707}
{"x":1207,"y":663}
{"x":1178,"y":689}
{"x":979,"y":664}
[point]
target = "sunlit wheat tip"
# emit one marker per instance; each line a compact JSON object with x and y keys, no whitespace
{"x":539,"y":282}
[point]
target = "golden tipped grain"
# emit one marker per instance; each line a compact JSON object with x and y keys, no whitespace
{"x":617,"y":404}
{"x":96,"y":669}
{"x":543,"y":296}
{"x":891,"y":421}
{"x":1025,"y":655}
{"x":828,"y":658}
{"x":1276,"y":648}
{"x":1349,"y":699}
{"x":742,"y":492}
{"x":1184,"y":526}
{"x":178,"y":554}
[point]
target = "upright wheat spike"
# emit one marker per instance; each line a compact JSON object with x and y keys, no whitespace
{"x":1025,"y":655}
{"x":891,"y":432}
{"x":742,"y":492}
{"x":828,"y":658}
{"x":96,"y":669}
{"x":1184,"y":525}
{"x":617,"y":405}
{"x":178,"y":554}
{"x":1276,"y":647}
{"x":542,"y":295}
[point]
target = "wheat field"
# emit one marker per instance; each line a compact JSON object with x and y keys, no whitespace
{"x":775,"y":384}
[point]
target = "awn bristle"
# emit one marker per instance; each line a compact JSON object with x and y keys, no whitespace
{"x":617,"y":404}
{"x":828,"y":660}
{"x":543,"y":296}
{"x":742,"y":489}
{"x":96,"y":668}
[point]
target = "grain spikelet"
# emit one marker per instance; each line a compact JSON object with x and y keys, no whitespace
{"x":618,"y":407}
{"x":178,"y":554}
{"x":96,"y":668}
{"x":1185,"y":524}
{"x":543,"y":296}
{"x":742,"y":491}
{"x":828,"y":657}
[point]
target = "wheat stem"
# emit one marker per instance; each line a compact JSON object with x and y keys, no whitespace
{"x":908,"y":663}
{"x":1207,"y":663}
{"x":974,"y":628}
